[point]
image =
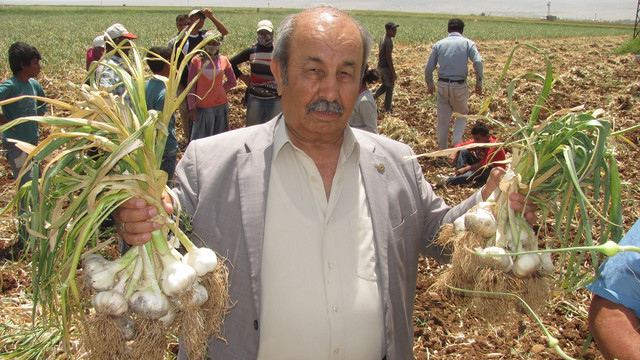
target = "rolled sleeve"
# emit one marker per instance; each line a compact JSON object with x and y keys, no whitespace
{"x":619,"y":279}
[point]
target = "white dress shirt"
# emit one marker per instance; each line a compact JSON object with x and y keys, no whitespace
{"x":320,"y":292}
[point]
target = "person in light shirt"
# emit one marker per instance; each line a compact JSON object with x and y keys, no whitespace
{"x":451,"y":56}
{"x":322,"y":224}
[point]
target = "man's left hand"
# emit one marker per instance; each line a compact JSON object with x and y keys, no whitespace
{"x":478,"y":90}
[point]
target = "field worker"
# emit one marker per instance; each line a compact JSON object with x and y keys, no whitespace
{"x":107,"y":78}
{"x":385,"y":65}
{"x":182,"y":22}
{"x":207,"y":99}
{"x":365,"y":111}
{"x":451,"y":56}
{"x":322,"y":224}
{"x":96,"y":51}
{"x":155,"y":94}
{"x":24,"y":61}
{"x":475,"y":164}
{"x":197,"y":17}
{"x":262,"y":99}
{"x":614,"y":314}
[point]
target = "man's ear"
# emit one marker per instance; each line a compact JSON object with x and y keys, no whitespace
{"x":276,"y":70}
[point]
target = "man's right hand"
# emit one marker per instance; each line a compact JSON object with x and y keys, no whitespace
{"x":431,"y":90}
{"x":133,"y":220}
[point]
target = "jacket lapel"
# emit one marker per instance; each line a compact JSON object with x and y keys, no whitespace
{"x":373,"y":167}
{"x":254,"y":168}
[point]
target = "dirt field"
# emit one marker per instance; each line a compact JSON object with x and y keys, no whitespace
{"x":587,"y":73}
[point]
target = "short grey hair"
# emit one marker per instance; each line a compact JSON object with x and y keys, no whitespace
{"x":282,"y":48}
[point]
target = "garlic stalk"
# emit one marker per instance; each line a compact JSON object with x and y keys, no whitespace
{"x":149,"y":302}
{"x":176,"y":276}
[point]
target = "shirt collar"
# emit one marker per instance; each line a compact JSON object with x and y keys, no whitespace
{"x":350,"y":146}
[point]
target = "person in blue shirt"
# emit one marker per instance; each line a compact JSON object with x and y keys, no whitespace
{"x":614,"y":314}
{"x":155,"y":93}
{"x":24,"y":61}
{"x":451,"y":55}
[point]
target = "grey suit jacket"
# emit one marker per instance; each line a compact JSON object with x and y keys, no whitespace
{"x":223,"y":183}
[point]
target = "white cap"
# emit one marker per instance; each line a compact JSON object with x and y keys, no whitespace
{"x":265,"y":25}
{"x":98,"y":41}
{"x":196,"y":11}
{"x":118,"y":30}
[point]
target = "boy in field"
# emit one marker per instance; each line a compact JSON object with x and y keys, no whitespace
{"x":156,"y":90}
{"x":24,"y":61}
{"x":474,"y":164}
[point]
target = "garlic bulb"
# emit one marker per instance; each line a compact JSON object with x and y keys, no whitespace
{"x":92,"y":264}
{"x":526,"y":265}
{"x":103,"y":280}
{"x":127,"y":326}
{"x":481,"y":222}
{"x":503,"y":263}
{"x":546,"y":264}
{"x":176,"y":278}
{"x":168,"y":318}
{"x":458,"y":225}
{"x":110,"y":302}
{"x":202,"y":260}
{"x":199,"y":295}
{"x":149,"y":304}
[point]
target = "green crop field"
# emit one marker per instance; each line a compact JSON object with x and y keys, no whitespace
{"x":62,"y":34}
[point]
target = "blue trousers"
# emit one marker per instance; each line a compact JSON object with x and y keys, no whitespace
{"x":259,"y":110}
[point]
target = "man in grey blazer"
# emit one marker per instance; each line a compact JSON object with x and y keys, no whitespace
{"x":322,"y":225}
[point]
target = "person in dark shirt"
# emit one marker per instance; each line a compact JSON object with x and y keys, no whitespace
{"x":262,"y":99}
{"x":385,"y":65}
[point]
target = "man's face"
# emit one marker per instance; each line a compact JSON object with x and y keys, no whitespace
{"x":124,"y":43}
{"x":392,"y":32}
{"x":32,"y":69}
{"x":182,"y":24}
{"x":197,"y":19}
{"x":324,"y":67}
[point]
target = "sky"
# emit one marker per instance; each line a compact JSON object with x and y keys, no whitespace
{"x":607,"y":10}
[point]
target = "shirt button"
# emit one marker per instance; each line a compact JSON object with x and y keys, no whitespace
{"x":336,"y":308}
{"x":331,"y":264}
{"x":336,"y":350}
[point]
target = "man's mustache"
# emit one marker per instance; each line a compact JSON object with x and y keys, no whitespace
{"x":322,"y":105}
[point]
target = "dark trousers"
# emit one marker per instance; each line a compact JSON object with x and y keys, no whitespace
{"x":465,"y":158}
{"x":386,"y":87}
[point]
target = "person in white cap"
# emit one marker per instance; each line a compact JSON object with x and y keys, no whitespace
{"x":197,"y":17}
{"x":115,"y":36}
{"x":262,"y":99}
{"x":96,"y":51}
